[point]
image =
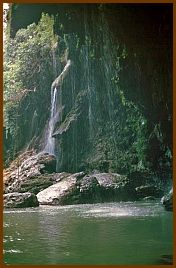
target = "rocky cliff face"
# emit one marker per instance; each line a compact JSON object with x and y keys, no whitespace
{"x":114,"y":104}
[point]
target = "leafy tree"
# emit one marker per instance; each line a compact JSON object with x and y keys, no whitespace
{"x":27,"y":59}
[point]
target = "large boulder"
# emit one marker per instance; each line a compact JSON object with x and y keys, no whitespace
{"x":60,"y":193}
{"x":27,"y":173}
{"x":167,"y":201}
{"x":20,"y":200}
{"x":89,"y":190}
{"x":115,"y":187}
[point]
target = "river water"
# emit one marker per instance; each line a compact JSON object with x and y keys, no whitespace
{"x":106,"y":233}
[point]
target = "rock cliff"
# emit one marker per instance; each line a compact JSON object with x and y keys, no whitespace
{"x":114,"y":103}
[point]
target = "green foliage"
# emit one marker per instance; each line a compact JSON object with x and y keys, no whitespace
{"x":124,"y":53}
{"x":123,"y":141}
{"x":27,"y":59}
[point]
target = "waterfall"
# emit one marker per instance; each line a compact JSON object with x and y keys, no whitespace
{"x":50,"y":145}
{"x":59,"y":80}
{"x":54,"y":114}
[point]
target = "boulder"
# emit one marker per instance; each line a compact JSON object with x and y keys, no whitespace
{"x":148,"y":190}
{"x":167,"y":201}
{"x":61,"y":193}
{"x":20,"y":200}
{"x":89,"y":190}
{"x":115,"y":187}
{"x":26,"y":174}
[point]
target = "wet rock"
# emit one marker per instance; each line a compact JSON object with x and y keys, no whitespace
{"x":20,"y":200}
{"x":167,"y":201}
{"x":148,"y":190}
{"x":90,"y":190}
{"x":60,"y":193}
{"x":115,"y":187}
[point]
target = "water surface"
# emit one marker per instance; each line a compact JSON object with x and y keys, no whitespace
{"x":106,"y":233}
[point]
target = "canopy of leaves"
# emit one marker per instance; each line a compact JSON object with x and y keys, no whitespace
{"x":28,"y":73}
{"x":25,"y":61}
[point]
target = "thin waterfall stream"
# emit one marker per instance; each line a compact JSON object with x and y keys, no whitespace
{"x":50,"y":145}
{"x":55,"y":88}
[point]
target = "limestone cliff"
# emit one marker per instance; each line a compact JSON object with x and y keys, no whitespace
{"x":114,"y":105}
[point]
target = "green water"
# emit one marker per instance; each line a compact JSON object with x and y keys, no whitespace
{"x":107,"y":233}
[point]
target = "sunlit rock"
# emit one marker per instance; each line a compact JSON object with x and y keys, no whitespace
{"x":59,"y":193}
